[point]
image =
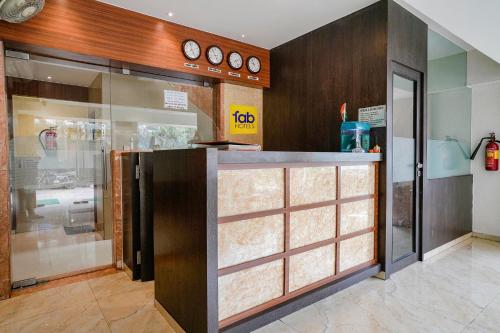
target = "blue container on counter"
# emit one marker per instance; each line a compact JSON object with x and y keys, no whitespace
{"x":354,"y":137}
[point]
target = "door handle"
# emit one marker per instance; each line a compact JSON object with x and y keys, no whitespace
{"x":420,"y":167}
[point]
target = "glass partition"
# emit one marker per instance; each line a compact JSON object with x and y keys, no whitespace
{"x":152,"y":113}
{"x":449,"y":110}
{"x":60,"y":138}
{"x":404,"y":163}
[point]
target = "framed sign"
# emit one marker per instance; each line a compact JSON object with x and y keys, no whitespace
{"x":177,"y":100}
{"x":374,"y":115}
{"x":244,"y":119}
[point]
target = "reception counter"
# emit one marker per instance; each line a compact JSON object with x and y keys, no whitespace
{"x":243,"y":238}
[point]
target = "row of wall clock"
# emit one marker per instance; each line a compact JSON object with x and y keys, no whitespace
{"x":215,"y":56}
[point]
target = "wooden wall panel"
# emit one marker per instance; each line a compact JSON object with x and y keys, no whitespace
{"x":96,"y":29}
{"x":311,"y":76}
{"x":450,"y":214}
{"x":4,"y":188}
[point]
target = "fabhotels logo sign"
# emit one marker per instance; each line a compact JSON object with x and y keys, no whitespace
{"x":243,"y":119}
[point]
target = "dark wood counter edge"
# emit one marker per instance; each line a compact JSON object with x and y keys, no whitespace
{"x":281,"y":310}
{"x":248,"y":157}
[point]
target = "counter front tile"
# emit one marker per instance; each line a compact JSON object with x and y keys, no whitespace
{"x":312,"y":184}
{"x":356,"y":251}
{"x":357,"y":180}
{"x":245,"y":289}
{"x":250,"y":190}
{"x":357,"y":215}
{"x":246,"y":240}
{"x":312,"y":225}
{"x":311,"y":266}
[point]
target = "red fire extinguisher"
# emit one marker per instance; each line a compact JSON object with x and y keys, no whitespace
{"x":492,"y":151}
{"x":48,"y":139}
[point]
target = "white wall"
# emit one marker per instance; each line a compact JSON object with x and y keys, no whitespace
{"x":484,"y":78}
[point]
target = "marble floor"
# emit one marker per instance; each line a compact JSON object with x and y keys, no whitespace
{"x":457,"y":291}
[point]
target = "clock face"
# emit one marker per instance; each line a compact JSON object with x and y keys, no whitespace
{"x":235,"y":60}
{"x":253,"y":64}
{"x":191,"y":49}
{"x":215,"y":55}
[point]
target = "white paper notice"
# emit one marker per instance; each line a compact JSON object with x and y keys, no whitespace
{"x":374,"y":115}
{"x":177,"y":100}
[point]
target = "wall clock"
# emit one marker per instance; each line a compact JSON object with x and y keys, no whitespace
{"x":191,"y":49}
{"x":215,"y":55}
{"x":253,"y":64}
{"x":235,"y":60}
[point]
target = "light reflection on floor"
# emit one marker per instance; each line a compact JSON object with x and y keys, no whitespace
{"x":41,"y":248}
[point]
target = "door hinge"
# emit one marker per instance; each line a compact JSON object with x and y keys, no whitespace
{"x":138,"y":257}
{"x":137,"y":171}
{"x":17,"y":55}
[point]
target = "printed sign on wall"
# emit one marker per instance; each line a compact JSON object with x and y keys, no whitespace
{"x":243,"y":119}
{"x":177,"y":100}
{"x":374,"y":115}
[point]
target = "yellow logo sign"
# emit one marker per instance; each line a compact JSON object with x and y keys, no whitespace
{"x":243,"y":119}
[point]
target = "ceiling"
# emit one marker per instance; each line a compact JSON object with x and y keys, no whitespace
{"x":266,"y":23}
{"x":468,"y":23}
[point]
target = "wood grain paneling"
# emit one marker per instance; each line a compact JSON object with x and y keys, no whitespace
{"x":185,"y":236}
{"x":311,"y":76}
{"x":32,"y":88}
{"x":96,"y":29}
{"x":450,"y":215}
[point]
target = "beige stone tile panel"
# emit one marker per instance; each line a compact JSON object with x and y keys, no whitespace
{"x":357,"y":180}
{"x":356,"y":251}
{"x":246,"y":240}
{"x":246,"y":289}
{"x":357,"y":215}
{"x":312,"y":184}
{"x":312,"y":266}
{"x":312,"y":225}
{"x":250,"y":190}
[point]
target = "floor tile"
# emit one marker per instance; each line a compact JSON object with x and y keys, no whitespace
{"x":114,"y":284}
{"x":80,"y":318}
{"x":120,"y":306}
{"x":44,"y":302}
{"x":145,"y":320}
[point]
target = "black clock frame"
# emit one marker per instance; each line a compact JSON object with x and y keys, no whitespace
{"x":248,"y":64}
{"x":229,"y":62}
{"x":208,"y":58}
{"x":184,"y":52}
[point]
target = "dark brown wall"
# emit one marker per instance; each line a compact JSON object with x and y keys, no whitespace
{"x":33,"y":88}
{"x":407,"y":46}
{"x":311,"y":76}
{"x":450,"y":211}
{"x":185,"y":236}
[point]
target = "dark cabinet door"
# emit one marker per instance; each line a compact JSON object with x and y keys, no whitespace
{"x":146,"y":215}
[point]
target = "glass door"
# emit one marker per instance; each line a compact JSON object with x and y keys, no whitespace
{"x":60,"y":138}
{"x":407,"y":165}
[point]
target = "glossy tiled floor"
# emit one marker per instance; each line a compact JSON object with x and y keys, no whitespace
{"x":458,"y":291}
{"x":111,"y":303}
